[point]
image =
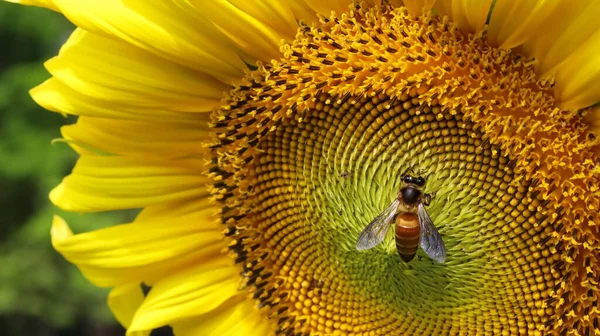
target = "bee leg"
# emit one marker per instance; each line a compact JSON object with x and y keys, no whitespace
{"x":427,"y":198}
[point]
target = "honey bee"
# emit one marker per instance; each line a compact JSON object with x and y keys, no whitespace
{"x":413,"y":225}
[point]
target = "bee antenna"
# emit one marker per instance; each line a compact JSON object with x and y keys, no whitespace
{"x":409,"y":169}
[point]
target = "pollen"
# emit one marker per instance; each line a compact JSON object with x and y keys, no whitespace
{"x":310,"y":148}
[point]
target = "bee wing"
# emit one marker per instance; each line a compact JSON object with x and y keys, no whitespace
{"x":374,"y":233}
{"x":431,"y":242}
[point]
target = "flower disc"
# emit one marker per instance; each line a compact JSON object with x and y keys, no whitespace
{"x":311,"y":148}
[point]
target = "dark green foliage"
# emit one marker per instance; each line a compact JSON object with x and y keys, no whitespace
{"x":40,"y":292}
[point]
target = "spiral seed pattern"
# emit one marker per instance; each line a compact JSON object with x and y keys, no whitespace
{"x":311,"y":148}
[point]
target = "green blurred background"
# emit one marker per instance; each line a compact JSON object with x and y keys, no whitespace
{"x":40,"y":292}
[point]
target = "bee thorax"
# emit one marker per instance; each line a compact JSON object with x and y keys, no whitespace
{"x":410,"y":195}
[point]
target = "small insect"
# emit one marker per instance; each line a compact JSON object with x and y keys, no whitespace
{"x":413,"y":225}
{"x":316,"y":284}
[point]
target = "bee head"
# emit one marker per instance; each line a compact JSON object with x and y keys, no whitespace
{"x":418,"y":181}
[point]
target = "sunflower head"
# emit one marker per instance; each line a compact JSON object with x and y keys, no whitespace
{"x":311,"y":146}
{"x":488,"y":104}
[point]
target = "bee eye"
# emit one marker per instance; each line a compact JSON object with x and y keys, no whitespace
{"x":406,"y":179}
{"x":420,"y":181}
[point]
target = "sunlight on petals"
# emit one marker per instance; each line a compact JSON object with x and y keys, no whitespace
{"x":138,"y":138}
{"x":177,"y":209}
{"x":578,"y":79}
{"x":276,"y":14}
{"x":569,"y":28}
{"x":119,"y":73}
{"x":514,"y":22}
{"x":100,"y":183}
{"x":236,"y":316}
{"x":172,"y":29}
{"x":194,"y":291}
{"x":55,"y":96}
{"x":255,"y":38}
{"x":142,"y":251}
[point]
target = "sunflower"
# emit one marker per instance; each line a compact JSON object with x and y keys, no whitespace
{"x":259,"y":138}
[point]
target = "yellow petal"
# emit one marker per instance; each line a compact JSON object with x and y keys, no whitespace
{"x":237,"y":316}
{"x":101,"y":183}
{"x":469,"y":15}
{"x":578,"y":78}
{"x":168,"y":139}
{"x":124,"y":301}
{"x":514,"y":22}
{"x":418,"y":7}
{"x":60,"y":230}
{"x":175,"y":209}
{"x":326,"y":7}
{"x":40,"y":3}
{"x":567,"y":47}
{"x":143,"y":251}
{"x":592,"y":119}
{"x":173,"y":29}
{"x":302,"y":11}
{"x":251,"y":35}
{"x":55,"y":96}
{"x":570,"y":27}
{"x":119,"y":73}
{"x":275,"y":14}
{"x":191,"y":292}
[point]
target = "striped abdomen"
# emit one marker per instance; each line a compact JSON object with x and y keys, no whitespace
{"x":407,"y":235}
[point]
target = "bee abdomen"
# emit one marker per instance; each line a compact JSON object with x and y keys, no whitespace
{"x":407,"y":236}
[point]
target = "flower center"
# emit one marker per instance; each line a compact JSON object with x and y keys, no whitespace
{"x":312,"y":147}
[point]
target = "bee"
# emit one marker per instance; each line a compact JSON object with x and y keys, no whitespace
{"x":414,"y":227}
